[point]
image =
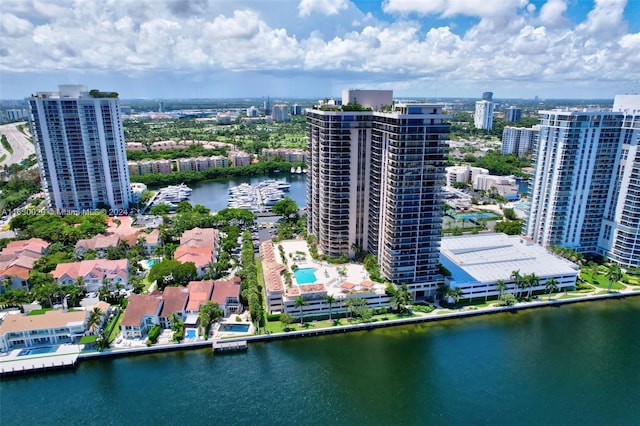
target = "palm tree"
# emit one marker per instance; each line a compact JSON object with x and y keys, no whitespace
{"x":174,"y":320}
{"x":95,"y":318}
{"x":613,"y":275}
{"x":455,"y":294}
{"x":517,"y":279}
{"x":501,"y":286}
{"x":551,"y":285}
{"x":330,"y":301}
{"x":300,"y":303}
{"x":532,"y":281}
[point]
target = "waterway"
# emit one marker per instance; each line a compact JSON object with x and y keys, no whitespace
{"x":214,"y":194}
{"x":566,"y":365}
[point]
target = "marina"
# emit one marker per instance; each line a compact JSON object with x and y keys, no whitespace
{"x":259,"y":198}
{"x":171,"y":195}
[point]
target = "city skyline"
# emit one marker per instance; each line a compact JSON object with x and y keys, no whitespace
{"x":313,"y":48}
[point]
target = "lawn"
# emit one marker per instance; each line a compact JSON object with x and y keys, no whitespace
{"x":277,"y":327}
{"x":599,"y":280}
{"x":147,"y":283}
{"x":116,"y":328}
{"x":39,"y":311}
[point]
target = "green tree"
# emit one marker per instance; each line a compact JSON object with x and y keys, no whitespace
{"x":300,"y":303}
{"x":287,"y":208}
{"x":551,"y":285}
{"x":614,"y":274}
{"x":517,"y":279}
{"x":455,"y":294}
{"x":209,"y":313}
{"x":286,"y":319}
{"x":94,"y":319}
{"x":501,"y":286}
{"x":330,"y":301}
{"x":532,"y":281}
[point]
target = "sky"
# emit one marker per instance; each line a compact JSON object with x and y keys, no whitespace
{"x":316,"y":48}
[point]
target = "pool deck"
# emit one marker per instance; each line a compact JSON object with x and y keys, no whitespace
{"x":65,"y":356}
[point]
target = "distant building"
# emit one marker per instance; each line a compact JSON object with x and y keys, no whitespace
{"x":252,"y":111}
{"x":267,"y":107}
{"x":512,"y":114}
{"x":16,"y":114}
{"x":145,"y":167}
{"x":201,"y":163}
{"x":137,"y":189}
{"x":505,"y":186}
{"x":280,"y":113}
{"x":296,"y":109}
{"x":80,"y":147}
{"x":487,"y":96}
{"x":483,"y":118}
{"x":519,"y":140}
{"x":239,"y":158}
{"x":295,"y":155}
{"x":463,"y":174}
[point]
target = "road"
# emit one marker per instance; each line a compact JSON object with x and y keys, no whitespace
{"x":22,"y":147}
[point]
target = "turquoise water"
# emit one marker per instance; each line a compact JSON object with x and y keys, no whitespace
{"x":149,"y":263}
{"x":36,"y":351}
{"x":236,"y":328}
{"x":564,"y":365}
{"x":190,"y":333}
{"x":305,"y":275}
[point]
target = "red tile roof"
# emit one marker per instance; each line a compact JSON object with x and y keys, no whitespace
{"x":34,"y":245}
{"x":201,"y":256}
{"x":98,"y":242}
{"x":101,"y":268}
{"x":175,"y":300}
{"x":18,"y":257}
{"x":140,"y":305}
{"x":225,"y":289}
{"x":199,"y":293}
{"x":199,"y":237}
{"x":367,"y":283}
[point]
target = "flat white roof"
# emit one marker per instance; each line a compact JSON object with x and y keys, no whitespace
{"x":487,"y":258}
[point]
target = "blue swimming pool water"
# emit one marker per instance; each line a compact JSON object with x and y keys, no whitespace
{"x":235,"y":328}
{"x":149,"y":263}
{"x":305,"y":275}
{"x":190,"y":333}
{"x":522,"y":205}
{"x":36,"y":351}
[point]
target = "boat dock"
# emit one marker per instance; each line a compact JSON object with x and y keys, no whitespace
{"x":34,"y":364}
{"x":232,"y":346}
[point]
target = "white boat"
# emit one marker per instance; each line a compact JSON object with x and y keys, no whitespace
{"x":299,"y":170}
{"x":293,"y":170}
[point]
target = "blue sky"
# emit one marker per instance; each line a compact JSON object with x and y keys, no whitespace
{"x":315,"y":48}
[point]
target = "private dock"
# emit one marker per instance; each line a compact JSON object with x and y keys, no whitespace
{"x":236,"y":345}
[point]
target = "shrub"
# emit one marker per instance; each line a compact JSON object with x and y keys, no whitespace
{"x":507,"y":299}
{"x":238,"y":319}
{"x":154,"y":333}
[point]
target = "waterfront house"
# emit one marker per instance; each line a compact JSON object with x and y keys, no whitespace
{"x":48,"y":328}
{"x":142,"y":313}
{"x":227,"y":295}
{"x":98,"y":243}
{"x":16,"y":261}
{"x":94,"y":273}
{"x":174,"y":300}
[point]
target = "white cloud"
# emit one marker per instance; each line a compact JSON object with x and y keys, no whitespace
{"x":551,"y":13}
{"x":324,"y":7}
{"x":507,"y":42}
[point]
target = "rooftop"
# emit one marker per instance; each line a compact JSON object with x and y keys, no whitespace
{"x":199,"y":293}
{"x":47,"y":320}
{"x":492,"y":257}
{"x":140,"y":305}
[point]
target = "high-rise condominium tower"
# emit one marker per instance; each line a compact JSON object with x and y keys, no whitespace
{"x":483,"y":118}
{"x":620,"y":233}
{"x":519,"y":140}
{"x":374,"y":184}
{"x":80,"y":148}
{"x":576,"y":155}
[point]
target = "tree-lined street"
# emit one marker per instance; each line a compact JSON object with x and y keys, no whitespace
{"x":21,"y":145}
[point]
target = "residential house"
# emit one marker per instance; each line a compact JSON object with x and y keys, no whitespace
{"x":227,"y":295}
{"x":51,"y":327}
{"x":151,"y":241}
{"x":142,"y":313}
{"x":199,"y":294}
{"x":16,"y":261}
{"x":94,"y":273}
{"x":98,"y":243}
{"x":198,"y":245}
{"x":174,"y":300}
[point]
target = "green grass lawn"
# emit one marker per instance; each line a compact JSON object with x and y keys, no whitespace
{"x":147,"y":283}
{"x":116,"y":329}
{"x":569,"y":296}
{"x":277,"y":327}
{"x":259,"y":272}
{"x":599,"y":280}
{"x":39,"y":311}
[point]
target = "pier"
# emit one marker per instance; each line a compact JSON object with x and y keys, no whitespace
{"x":231,"y":346}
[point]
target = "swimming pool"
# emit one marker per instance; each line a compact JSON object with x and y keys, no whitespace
{"x":149,"y":263}
{"x":305,"y":275}
{"x":36,"y":351}
{"x":234,"y":328}
{"x":190,"y":333}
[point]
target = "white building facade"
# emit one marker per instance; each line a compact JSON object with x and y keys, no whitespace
{"x":620,"y":233}
{"x":483,"y":118}
{"x":575,"y":158}
{"x":80,"y":147}
{"x":519,"y":140}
